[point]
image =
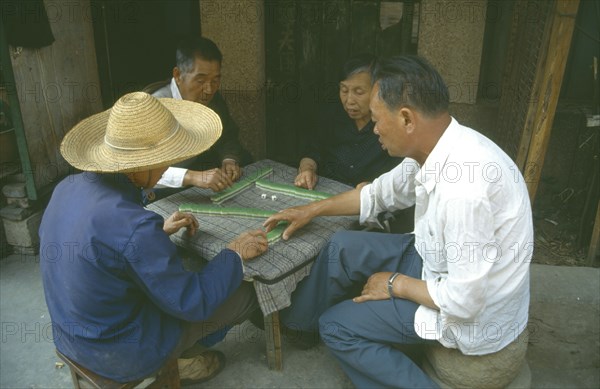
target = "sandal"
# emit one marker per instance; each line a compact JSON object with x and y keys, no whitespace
{"x":200,"y":368}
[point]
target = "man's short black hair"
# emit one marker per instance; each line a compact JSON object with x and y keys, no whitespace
{"x":359,"y":63}
{"x":411,"y":81}
{"x":196,"y":46}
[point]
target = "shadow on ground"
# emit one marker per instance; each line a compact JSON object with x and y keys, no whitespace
{"x":563,"y":346}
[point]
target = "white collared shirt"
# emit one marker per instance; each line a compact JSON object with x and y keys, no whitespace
{"x":473,"y":229}
{"x":173,"y":176}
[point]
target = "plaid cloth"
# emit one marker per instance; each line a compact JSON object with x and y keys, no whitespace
{"x":276,"y":272}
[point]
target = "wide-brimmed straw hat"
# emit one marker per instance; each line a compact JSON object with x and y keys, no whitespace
{"x":141,"y":132}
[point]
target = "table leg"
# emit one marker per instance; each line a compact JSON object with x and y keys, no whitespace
{"x":273,"y":337}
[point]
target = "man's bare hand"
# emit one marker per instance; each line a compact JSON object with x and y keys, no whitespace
{"x":375,"y":288}
{"x":231,"y":169}
{"x":297,"y":217}
{"x":179,"y":220}
{"x":306,"y":179}
{"x":250,"y":244}
{"x":307,"y":174}
{"x":214,"y":179}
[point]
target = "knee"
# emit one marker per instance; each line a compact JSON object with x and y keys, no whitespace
{"x":339,"y":242}
{"x":327,"y":327}
{"x":331,"y":253}
{"x":341,"y":238}
{"x":332,"y":331}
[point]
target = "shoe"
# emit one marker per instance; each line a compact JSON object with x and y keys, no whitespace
{"x":200,"y":368}
{"x":302,"y":340}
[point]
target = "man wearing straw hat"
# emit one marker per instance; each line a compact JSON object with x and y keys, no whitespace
{"x":119,"y":298}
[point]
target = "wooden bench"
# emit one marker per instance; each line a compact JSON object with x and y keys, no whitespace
{"x":168,"y":377}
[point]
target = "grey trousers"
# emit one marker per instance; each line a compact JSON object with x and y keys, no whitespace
{"x":361,"y":336}
{"x":234,"y":310}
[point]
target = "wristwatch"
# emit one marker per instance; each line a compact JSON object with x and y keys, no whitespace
{"x":390,"y":284}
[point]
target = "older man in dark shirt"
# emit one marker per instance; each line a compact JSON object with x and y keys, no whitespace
{"x":197,"y":77}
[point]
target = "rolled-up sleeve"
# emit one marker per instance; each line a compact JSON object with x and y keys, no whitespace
{"x":391,"y":191}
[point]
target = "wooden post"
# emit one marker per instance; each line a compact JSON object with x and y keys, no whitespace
{"x":546,"y":89}
{"x":8,"y":77}
{"x":595,"y":241}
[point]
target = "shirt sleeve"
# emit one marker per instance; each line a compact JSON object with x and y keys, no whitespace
{"x":173,"y":177}
{"x":391,"y":191}
{"x":158,"y":269}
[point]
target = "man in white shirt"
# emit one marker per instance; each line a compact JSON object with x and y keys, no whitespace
{"x":197,"y":77}
{"x":462,"y":277}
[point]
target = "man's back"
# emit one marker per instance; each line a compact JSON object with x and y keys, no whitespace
{"x":101,"y":318}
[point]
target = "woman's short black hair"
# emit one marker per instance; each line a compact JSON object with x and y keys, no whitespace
{"x":359,"y":63}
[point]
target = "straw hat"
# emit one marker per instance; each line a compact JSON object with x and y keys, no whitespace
{"x":141,"y":132}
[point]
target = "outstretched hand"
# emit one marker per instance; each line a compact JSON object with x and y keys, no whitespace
{"x":179,"y":220}
{"x":297,"y":217}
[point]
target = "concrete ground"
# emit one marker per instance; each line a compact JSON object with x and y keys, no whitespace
{"x":563,"y":350}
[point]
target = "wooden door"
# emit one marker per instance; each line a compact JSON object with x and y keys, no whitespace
{"x":136,"y":41}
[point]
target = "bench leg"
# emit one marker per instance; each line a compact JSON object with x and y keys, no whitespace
{"x":75,"y":379}
{"x":273,"y":337}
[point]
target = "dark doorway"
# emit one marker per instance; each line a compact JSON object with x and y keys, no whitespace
{"x":307,"y":41}
{"x":136,"y":40}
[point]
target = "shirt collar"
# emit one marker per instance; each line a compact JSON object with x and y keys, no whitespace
{"x":431,"y":171}
{"x":175,"y":90}
{"x":122,"y":184}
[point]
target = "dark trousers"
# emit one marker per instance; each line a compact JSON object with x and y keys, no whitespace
{"x":234,"y":310}
{"x":361,"y":335}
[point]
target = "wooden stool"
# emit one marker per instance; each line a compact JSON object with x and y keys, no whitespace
{"x":168,"y":377}
{"x":507,"y":368}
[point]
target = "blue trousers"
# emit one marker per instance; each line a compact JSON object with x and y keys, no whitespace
{"x":361,"y":335}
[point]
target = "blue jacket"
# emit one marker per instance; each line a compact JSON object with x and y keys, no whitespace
{"x":114,"y":283}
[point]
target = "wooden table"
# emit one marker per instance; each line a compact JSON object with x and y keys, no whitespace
{"x":275,"y":273}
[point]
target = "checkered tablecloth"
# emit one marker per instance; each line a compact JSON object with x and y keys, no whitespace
{"x":276,"y":272}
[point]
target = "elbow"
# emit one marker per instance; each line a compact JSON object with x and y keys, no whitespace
{"x":464,"y":308}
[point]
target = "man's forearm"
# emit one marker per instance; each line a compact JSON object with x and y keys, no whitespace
{"x":192,"y":178}
{"x":344,"y":204}
{"x":413,"y":289}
